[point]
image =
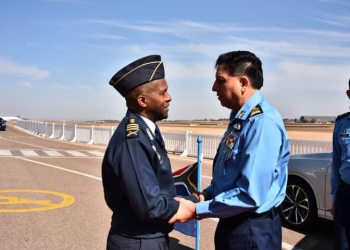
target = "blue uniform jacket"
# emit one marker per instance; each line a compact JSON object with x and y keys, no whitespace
{"x":341,"y":153}
{"x":137,"y":181}
{"x":250,"y":168}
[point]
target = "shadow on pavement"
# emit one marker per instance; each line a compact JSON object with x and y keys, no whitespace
{"x":318,"y":237}
{"x":175,"y":245}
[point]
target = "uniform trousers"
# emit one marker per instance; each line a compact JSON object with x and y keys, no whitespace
{"x":249,"y":231}
{"x":342,"y":218}
{"x":119,"y":242}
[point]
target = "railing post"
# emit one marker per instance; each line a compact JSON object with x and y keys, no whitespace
{"x":92,"y":135}
{"x":185,"y":152}
{"x":53,"y":131}
{"x":45,"y":129}
{"x":62,"y":137}
{"x":36,"y":127}
{"x":75,"y":134}
{"x":40,"y":128}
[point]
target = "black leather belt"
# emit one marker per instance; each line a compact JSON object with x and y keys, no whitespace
{"x":250,"y":216}
{"x":269,"y":214}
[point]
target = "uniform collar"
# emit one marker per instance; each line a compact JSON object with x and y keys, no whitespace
{"x":151,"y":125}
{"x":244,"y":111}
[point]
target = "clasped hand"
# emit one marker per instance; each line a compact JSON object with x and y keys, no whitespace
{"x":186,"y":210}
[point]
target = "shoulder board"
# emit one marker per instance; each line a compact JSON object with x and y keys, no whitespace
{"x":342,"y":115}
{"x":255,"y":111}
{"x":132,"y":129}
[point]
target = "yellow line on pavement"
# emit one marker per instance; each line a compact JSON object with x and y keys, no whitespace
{"x":7,"y":199}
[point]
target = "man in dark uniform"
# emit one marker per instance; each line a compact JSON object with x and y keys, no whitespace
{"x":136,"y":172}
{"x":341,"y":180}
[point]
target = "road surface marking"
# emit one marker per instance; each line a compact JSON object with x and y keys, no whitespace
{"x":16,"y":199}
{"x":29,"y":153}
{"x":23,"y":143}
{"x":75,"y":153}
{"x":97,"y":153}
{"x":61,"y":168}
{"x":5,"y":153}
{"x":53,"y":153}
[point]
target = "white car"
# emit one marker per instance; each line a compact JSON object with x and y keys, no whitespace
{"x":308,"y":194}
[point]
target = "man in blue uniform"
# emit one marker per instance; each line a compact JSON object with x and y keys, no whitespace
{"x":340,"y":180}
{"x":250,"y":166}
{"x":136,"y":173}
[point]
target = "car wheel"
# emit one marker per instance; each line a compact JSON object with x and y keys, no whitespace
{"x":299,"y":208}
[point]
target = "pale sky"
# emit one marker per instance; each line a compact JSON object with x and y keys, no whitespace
{"x":57,"y":56}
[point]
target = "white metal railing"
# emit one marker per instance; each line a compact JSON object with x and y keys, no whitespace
{"x":175,"y":141}
{"x":102,"y":135}
{"x":58,"y":131}
{"x":69,"y":132}
{"x":298,"y":146}
{"x":84,"y":134}
{"x":210,"y":144}
{"x":183,"y":142}
{"x":49,"y":129}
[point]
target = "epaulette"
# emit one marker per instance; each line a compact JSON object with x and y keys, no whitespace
{"x":342,"y":115}
{"x":255,"y":111}
{"x":132,"y":129}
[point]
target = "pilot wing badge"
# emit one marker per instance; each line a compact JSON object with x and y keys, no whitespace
{"x":132,"y":129}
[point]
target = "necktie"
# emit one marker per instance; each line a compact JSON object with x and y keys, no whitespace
{"x":158,"y":136}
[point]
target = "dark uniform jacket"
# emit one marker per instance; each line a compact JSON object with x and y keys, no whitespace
{"x":137,"y":181}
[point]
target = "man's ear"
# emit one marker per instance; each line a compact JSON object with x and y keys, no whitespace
{"x":244,"y":81}
{"x":348,"y":93}
{"x":141,"y":99}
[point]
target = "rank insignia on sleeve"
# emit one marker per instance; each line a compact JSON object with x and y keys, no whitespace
{"x":255,"y":111}
{"x":132,"y":129}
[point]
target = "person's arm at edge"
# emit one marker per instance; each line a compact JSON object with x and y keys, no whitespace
{"x":336,"y":162}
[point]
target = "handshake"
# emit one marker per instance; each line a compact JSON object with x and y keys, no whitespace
{"x":187,"y":208}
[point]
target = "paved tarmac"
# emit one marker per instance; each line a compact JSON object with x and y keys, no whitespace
{"x":51,"y":197}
